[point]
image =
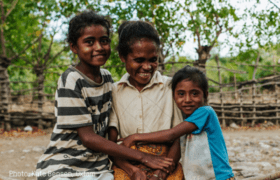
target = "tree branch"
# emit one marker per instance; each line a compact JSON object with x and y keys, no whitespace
{"x":11,"y":9}
{"x":57,"y":54}
{"x":47,"y":55}
{"x":274,"y":4}
{"x":26,"y":47}
{"x":217,"y":23}
{"x":196,"y":29}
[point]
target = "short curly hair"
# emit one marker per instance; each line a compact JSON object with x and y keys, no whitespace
{"x":85,"y":19}
{"x":130,"y":31}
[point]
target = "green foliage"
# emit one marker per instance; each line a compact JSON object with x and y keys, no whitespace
{"x":170,"y":69}
{"x":264,"y":26}
{"x":162,"y":13}
{"x":206,"y":18}
{"x":241,"y":62}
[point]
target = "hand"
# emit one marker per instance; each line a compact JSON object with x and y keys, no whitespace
{"x":138,"y":174}
{"x":157,"y":162}
{"x":128,"y":141}
{"x":172,"y":167}
{"x":159,"y":175}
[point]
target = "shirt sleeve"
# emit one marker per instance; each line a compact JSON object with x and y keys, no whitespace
{"x":199,"y":117}
{"x":113,"y":119}
{"x":177,"y":115}
{"x":72,"y":111}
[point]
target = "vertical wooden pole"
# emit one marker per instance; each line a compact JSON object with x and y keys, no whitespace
{"x":39,"y":70}
{"x":254,"y":90}
{"x":5,"y":97}
{"x":221,"y":92}
{"x":235,"y":89}
{"x":276,"y":92}
{"x":241,"y":106}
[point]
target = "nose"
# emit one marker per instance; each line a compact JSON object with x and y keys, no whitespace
{"x":147,"y":66}
{"x":98,"y":46}
{"x":187,"y":98}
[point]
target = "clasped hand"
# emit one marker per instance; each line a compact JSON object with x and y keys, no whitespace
{"x":152,"y":161}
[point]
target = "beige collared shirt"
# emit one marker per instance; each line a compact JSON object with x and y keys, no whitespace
{"x":152,"y":109}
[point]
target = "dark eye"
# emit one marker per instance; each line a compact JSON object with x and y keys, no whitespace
{"x":139,"y":60}
{"x":194,"y":93}
{"x":105,"y":41}
{"x":89,"y":42}
{"x":153,"y":59}
{"x":180,"y":93}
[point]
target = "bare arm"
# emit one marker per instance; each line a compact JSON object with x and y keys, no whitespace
{"x":130,"y":169}
{"x":160,"y":136}
{"x":100,"y":144}
{"x":174,"y":153}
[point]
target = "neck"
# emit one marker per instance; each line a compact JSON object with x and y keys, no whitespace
{"x":138,"y":86}
{"x":92,"y":72}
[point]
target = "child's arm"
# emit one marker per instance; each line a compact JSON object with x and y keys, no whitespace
{"x":160,"y":136}
{"x":130,"y":169}
{"x":174,"y":153}
{"x":100,"y":144}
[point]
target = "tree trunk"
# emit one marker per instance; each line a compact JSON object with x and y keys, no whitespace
{"x":40,"y":79}
{"x":203,"y":55}
{"x":5,"y":97}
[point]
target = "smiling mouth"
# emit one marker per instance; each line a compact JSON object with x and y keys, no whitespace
{"x":145,"y":75}
{"x":99,"y":55}
{"x":188,"y":107}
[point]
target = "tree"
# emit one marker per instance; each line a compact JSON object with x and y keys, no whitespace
{"x":207,"y":20}
{"x":23,"y":42}
{"x":10,"y":11}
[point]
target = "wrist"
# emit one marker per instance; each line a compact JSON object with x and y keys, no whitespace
{"x":135,"y":138}
{"x":160,"y":173}
{"x":133,"y":170}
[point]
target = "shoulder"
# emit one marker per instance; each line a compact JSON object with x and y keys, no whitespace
{"x":105,"y":72}
{"x":106,"y":75}
{"x":68,"y":78}
{"x":208,"y":109}
{"x":162,"y":79}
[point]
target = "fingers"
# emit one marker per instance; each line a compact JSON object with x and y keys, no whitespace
{"x":167,"y":165}
{"x":121,"y":139}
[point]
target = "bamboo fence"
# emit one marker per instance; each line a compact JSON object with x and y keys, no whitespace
{"x":239,"y":102}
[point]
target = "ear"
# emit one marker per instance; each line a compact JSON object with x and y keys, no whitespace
{"x":123,"y":59}
{"x":206,"y":95}
{"x":74,"y":48}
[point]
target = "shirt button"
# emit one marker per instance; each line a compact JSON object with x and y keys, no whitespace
{"x":140,"y":116}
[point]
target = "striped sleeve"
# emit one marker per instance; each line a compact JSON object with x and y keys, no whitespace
{"x":71,"y":108}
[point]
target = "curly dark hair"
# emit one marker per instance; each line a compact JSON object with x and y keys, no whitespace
{"x":130,"y":31}
{"x":192,"y":74}
{"x":87,"y":18}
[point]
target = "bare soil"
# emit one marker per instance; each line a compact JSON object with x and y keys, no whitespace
{"x":18,"y":158}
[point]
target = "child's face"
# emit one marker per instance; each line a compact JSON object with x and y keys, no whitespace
{"x":142,"y":62}
{"x":93,"y":46}
{"x":188,"y":96}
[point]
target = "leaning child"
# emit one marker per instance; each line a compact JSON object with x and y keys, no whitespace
{"x":205,"y":155}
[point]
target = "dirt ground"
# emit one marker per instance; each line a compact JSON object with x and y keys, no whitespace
{"x":19,"y":155}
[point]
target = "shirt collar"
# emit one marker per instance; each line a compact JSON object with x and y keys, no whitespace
{"x":156,"y":79}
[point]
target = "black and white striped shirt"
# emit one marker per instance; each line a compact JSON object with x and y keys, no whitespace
{"x":79,"y":102}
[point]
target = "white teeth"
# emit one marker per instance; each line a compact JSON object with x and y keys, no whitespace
{"x":144,"y":74}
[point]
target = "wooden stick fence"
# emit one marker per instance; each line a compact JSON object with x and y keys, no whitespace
{"x":239,"y":102}
{"x":246,"y":102}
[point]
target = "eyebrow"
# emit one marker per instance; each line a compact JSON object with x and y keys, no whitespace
{"x":92,"y":37}
{"x":139,"y":58}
